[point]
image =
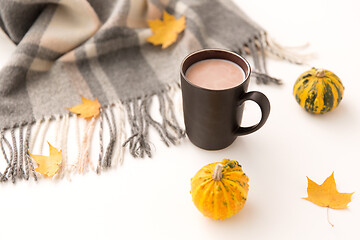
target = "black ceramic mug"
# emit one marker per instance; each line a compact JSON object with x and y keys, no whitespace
{"x":213,"y":117}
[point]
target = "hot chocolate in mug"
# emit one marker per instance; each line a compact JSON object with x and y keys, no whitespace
{"x":214,"y":85}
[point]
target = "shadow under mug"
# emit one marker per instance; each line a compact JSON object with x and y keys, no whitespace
{"x":213,"y":117}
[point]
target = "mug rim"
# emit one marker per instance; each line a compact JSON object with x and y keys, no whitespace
{"x":247,"y":76}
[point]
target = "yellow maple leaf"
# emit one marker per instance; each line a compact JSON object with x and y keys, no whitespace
{"x":48,"y":165}
{"x":165,"y":32}
{"x":326,"y":195}
{"x":88,"y":109}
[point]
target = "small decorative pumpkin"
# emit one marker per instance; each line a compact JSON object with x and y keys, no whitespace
{"x":219,"y":190}
{"x":318,"y":90}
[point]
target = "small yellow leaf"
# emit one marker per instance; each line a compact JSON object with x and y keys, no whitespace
{"x":165,"y":32}
{"x":48,"y":165}
{"x":88,"y":109}
{"x":326,"y":195}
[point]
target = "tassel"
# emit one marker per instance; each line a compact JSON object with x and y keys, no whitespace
{"x":112,"y":141}
{"x":31,"y":164}
{"x":121,"y":134}
{"x":84,"y":162}
{"x":20,"y":170}
{"x":64,"y":141}
{"x":34,"y":137}
{"x":138,"y":144}
{"x":101,"y":150}
{"x":25,"y":152}
{"x":15,"y":156}
{"x":165,"y":137}
{"x":254,"y":54}
{"x":43,"y":133}
{"x":62,"y":136}
{"x":262,"y":54}
{"x":170,"y":119}
{"x":77,"y":137}
{"x":264,"y":78}
{"x":58,"y":129}
{"x":29,"y":161}
{"x":4,"y":176}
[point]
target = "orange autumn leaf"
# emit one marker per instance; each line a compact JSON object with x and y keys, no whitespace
{"x":165,"y":32}
{"x":326,"y":195}
{"x":88,"y":109}
{"x":48,"y":165}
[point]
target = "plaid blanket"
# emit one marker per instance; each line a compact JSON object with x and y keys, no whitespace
{"x":98,"y":49}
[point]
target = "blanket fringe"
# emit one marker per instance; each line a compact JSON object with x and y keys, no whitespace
{"x":114,"y":154}
{"x":4,"y":175}
{"x":63,"y":145}
{"x":140,"y":120}
{"x":20,"y":170}
{"x":120,"y":133}
{"x":260,"y":46}
{"x":19,"y":163}
{"x":119,"y":118}
{"x":83,"y":162}
{"x":289,"y":54}
{"x":138,"y":142}
{"x":43,"y":133}
{"x":106,"y":162}
{"x":13,"y":170}
{"x":105,"y":158}
{"x":29,"y":166}
{"x":101,"y":151}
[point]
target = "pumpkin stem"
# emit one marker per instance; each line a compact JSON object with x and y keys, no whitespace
{"x":217,"y":175}
{"x":320,"y":73}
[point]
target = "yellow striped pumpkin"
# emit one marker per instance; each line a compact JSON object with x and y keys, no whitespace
{"x":318,"y":90}
{"x":219,"y":190}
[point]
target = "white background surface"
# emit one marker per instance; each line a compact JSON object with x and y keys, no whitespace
{"x":150,"y":199}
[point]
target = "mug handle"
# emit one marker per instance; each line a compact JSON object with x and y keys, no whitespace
{"x":264,"y":105}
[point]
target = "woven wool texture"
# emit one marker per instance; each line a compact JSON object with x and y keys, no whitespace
{"x":98,"y":49}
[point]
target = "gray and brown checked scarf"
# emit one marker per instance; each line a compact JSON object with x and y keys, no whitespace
{"x":97,"y":49}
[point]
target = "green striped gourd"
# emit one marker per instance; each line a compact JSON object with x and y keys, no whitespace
{"x":318,"y":90}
